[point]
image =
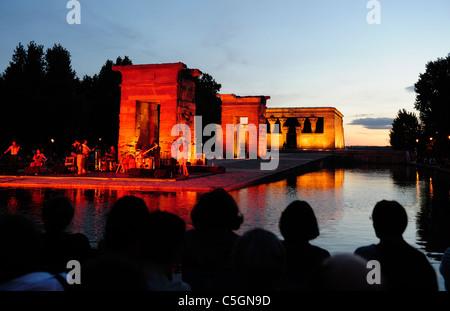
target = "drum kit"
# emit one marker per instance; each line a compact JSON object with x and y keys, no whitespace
{"x":141,"y":159}
{"x":146,"y":163}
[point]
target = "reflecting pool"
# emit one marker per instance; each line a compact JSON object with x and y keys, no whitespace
{"x":342,"y":199}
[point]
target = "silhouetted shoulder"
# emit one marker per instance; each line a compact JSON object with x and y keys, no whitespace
{"x":368,"y":252}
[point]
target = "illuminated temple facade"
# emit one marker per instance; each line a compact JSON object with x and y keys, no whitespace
{"x":156,"y":97}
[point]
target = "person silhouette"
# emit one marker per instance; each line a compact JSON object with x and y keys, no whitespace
{"x":124,"y":228}
{"x":20,"y":255}
{"x":208,"y":246}
{"x":403,"y":267}
{"x":59,"y":246}
{"x":111,"y":272}
{"x":298,"y":226}
{"x":444,"y":268}
{"x":259,"y":261}
{"x":161,"y":250}
{"x":341,"y":272}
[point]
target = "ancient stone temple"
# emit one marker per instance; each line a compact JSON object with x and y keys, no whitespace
{"x":308,"y":128}
{"x":297,"y":128}
{"x":154,"y":98}
{"x":246,"y":111}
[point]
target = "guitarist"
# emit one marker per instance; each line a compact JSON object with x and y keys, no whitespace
{"x":85,"y":151}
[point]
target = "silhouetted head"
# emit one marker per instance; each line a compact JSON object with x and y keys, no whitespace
{"x":163,"y":237}
{"x":125,"y":223}
{"x":342,"y":272}
{"x":259,"y":260}
{"x":19,"y":246}
{"x":57,"y":213}
{"x":389,"y":219}
{"x":298,"y":222}
{"x":216,"y":210}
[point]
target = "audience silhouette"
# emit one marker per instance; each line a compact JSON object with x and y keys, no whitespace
{"x":141,"y":250}
{"x":118,"y":264}
{"x":298,"y":225}
{"x":444,"y":268}
{"x":208,"y":247}
{"x":403,"y":267}
{"x":161,"y":250}
{"x":58,"y":245}
{"x":111,"y":272}
{"x":342,"y":272}
{"x":259,"y":261}
{"x":124,"y":227}
{"x":19,"y":257}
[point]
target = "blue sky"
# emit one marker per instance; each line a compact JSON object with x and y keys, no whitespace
{"x":300,"y":53}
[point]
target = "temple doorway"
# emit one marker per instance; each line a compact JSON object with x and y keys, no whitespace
{"x":147,"y":123}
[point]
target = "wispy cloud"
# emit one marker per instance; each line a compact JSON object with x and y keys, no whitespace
{"x":374,"y":123}
{"x":410,"y":89}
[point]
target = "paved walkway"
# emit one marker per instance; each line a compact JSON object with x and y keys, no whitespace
{"x":238,"y":174}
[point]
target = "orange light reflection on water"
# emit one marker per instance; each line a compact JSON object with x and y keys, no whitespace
{"x":263,"y":204}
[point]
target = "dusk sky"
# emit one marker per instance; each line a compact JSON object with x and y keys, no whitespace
{"x":321,"y":53}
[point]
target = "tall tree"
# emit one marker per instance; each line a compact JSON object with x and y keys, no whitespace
{"x":208,"y":105}
{"x":60,"y":84}
{"x":405,"y":130}
{"x":433,"y":100}
{"x":103,"y":92}
{"x":23,"y":95}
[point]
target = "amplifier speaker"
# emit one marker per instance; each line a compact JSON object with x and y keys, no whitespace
{"x":162,"y":173}
{"x":31,"y":170}
{"x":60,"y":168}
{"x":148,"y":173}
{"x":134,"y":172}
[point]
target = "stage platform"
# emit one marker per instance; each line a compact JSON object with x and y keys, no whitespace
{"x":234,"y":174}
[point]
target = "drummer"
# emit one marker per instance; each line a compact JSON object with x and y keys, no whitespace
{"x":112,"y":154}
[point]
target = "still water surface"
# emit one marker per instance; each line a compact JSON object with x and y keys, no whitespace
{"x":342,"y":199}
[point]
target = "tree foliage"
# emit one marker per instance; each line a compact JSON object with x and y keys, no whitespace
{"x":433,"y":101}
{"x":43,"y":99}
{"x":208,"y":105}
{"x":405,"y":130}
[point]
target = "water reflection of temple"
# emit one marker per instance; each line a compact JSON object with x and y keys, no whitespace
{"x":264,"y":203}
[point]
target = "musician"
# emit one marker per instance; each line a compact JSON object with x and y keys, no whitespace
{"x":80,"y":157}
{"x":156,"y":153}
{"x":38,"y":159}
{"x":128,"y":162}
{"x":14,"y":149}
{"x":73,"y":148}
{"x":86,"y":150}
{"x":112,"y":154}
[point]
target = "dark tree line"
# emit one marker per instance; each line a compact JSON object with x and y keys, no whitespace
{"x":429,"y":132}
{"x":44,"y":105}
